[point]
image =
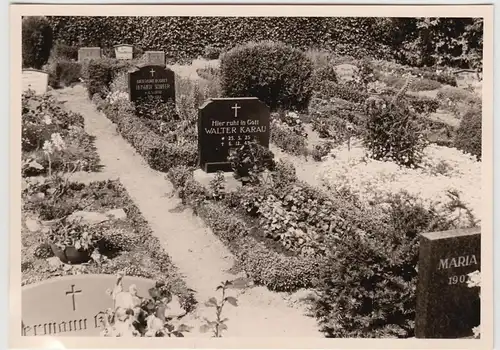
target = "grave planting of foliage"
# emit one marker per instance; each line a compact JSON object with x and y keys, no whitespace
{"x":53,"y":139}
{"x":124,"y":244}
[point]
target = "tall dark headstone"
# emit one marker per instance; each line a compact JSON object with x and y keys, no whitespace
{"x":224,"y":123}
{"x":446,"y":306}
{"x":152,"y":80}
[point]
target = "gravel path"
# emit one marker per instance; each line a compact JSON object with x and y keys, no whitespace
{"x":200,"y":256}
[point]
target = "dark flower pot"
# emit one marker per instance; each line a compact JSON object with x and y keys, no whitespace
{"x":71,"y":255}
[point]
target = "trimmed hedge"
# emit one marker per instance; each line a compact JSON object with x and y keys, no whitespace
{"x":386,"y":38}
{"x":64,"y":73}
{"x":278,"y":74}
{"x":101,"y":73}
{"x":156,"y":150}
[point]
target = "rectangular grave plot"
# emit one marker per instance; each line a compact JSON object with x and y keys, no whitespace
{"x":446,"y":306}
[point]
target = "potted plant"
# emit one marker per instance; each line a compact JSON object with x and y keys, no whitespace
{"x":72,"y":242}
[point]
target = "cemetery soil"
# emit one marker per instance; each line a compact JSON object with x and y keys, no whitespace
{"x":200,"y":257}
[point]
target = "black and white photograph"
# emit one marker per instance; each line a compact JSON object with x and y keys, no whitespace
{"x":254,"y":176}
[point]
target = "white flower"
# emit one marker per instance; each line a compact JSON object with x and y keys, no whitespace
{"x":47,"y":147}
{"x":474,"y":279}
{"x":47,"y":120}
{"x":477,"y":331}
{"x":57,"y":141}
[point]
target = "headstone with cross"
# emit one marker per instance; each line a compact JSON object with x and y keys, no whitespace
{"x":152,"y":80}
{"x":446,"y":306}
{"x":71,"y":305}
{"x":225,"y":123}
{"x":124,"y":52}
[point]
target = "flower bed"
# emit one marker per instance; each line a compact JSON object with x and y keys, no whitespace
{"x":264,"y":260}
{"x":447,"y":179}
{"x":54,"y":139}
{"x":127,"y":243}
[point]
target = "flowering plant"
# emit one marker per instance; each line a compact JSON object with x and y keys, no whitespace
{"x":447,"y":180}
{"x":474,"y":281}
{"x":135,"y":316}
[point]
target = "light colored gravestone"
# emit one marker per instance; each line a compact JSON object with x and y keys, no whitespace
{"x":446,"y":306}
{"x":89,"y":53}
{"x":35,"y":80}
{"x":154,"y":57}
{"x":124,"y":52}
{"x":72,"y":305}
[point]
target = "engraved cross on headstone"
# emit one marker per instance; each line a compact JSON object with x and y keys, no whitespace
{"x":236,"y":107}
{"x":72,"y":292}
{"x":152,"y":71}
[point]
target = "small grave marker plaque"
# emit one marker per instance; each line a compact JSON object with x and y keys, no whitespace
{"x":35,"y":80}
{"x":89,"y":53}
{"x":72,"y":305}
{"x":155,"y":58}
{"x":224,"y":123}
{"x":151,"y":80}
{"x":124,"y":52}
{"x":446,"y":306}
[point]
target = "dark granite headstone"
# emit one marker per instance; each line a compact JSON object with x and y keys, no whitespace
{"x":224,"y":123}
{"x":152,"y":80}
{"x":446,"y":306}
{"x":71,"y":305}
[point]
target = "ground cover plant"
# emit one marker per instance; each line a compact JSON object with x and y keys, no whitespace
{"x":124,"y":241}
{"x":54,"y":139}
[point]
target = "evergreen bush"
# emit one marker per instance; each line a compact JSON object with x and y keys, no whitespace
{"x":277,"y":74}
{"x":37,"y":40}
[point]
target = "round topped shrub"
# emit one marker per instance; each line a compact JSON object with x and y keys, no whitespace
{"x":277,"y":74}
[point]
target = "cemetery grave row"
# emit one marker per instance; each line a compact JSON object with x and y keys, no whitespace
{"x":219,"y":121}
{"x":250,"y":246}
{"x":99,"y":216}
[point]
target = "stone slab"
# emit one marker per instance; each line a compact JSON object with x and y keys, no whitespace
{"x":36,"y":80}
{"x":71,"y":305}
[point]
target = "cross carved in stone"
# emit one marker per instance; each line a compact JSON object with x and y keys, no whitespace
{"x":152,"y":71}
{"x":73,"y":292}
{"x":236,"y":107}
